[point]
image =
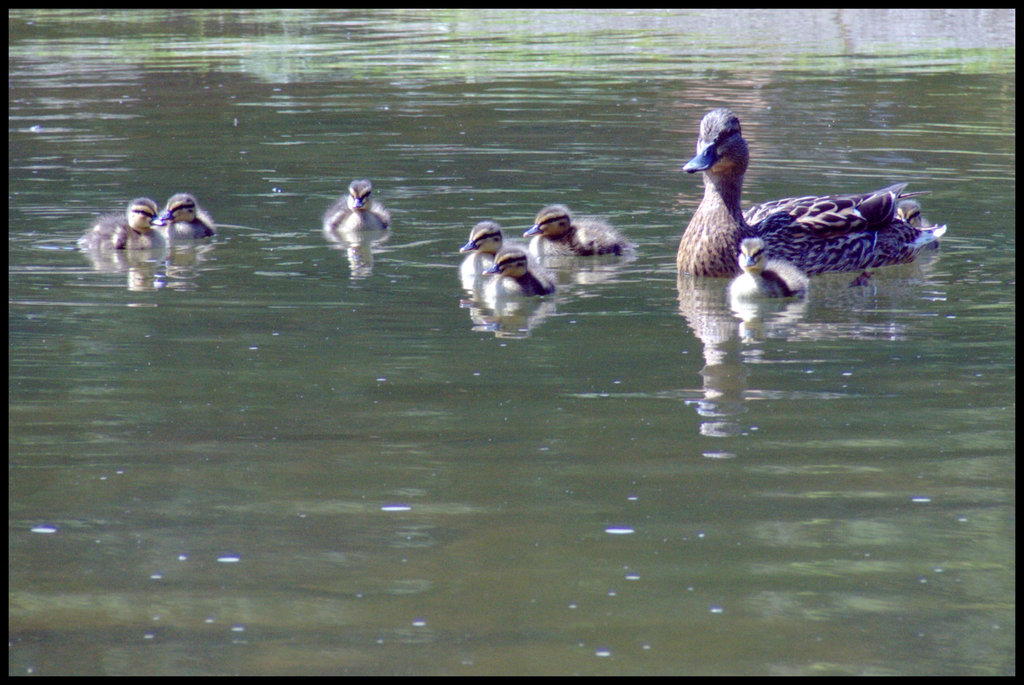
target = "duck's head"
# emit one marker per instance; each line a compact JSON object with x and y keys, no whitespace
{"x":181,"y":207}
{"x":553,"y":221}
{"x":141,"y":213}
{"x":720,"y":147}
{"x":752,"y":255}
{"x":485,"y":237}
{"x":359,"y":194}
{"x":910,"y":212}
{"x":512,"y":261}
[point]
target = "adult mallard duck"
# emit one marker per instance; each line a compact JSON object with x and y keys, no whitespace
{"x":129,"y":231}
{"x":557,"y":234}
{"x":357,"y":211}
{"x":183,"y":219}
{"x":816,"y":234}
{"x":485,"y":239}
{"x":762,"y":277}
{"x":517,"y":275}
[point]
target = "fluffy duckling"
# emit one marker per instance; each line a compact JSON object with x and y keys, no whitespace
{"x":485,"y":239}
{"x":517,"y":275}
{"x":129,"y":231}
{"x":357,"y":211}
{"x":556,"y":234}
{"x":183,"y":219}
{"x":762,"y":277}
{"x":910,"y":211}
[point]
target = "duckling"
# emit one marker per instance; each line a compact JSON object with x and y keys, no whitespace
{"x":357,"y":211}
{"x":129,"y":231}
{"x":556,"y":234}
{"x":183,"y":219}
{"x":517,"y":275}
{"x":485,"y":239}
{"x":762,"y":277}
{"x":910,"y":211}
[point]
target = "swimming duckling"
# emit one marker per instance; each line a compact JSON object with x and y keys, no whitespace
{"x":558,"y":235}
{"x":129,"y":231}
{"x":763,"y":277}
{"x":517,"y":275}
{"x":357,"y":211}
{"x":910,"y":211}
{"x":183,"y":219}
{"x":485,"y":239}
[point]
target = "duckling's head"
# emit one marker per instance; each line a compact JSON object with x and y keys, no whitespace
{"x":485,"y":237}
{"x":141,"y":212}
{"x":512,"y":261}
{"x":359,"y":195}
{"x":752,"y":255}
{"x":721,"y":149}
{"x":910,"y":212}
{"x":181,"y":207}
{"x":553,"y":221}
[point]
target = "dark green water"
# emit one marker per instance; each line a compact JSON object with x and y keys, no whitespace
{"x":255,"y":458}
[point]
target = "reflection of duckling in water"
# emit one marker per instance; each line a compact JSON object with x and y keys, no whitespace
{"x":557,"y":234}
{"x":517,"y":276}
{"x":762,"y":277}
{"x":356,"y":211}
{"x":183,"y":219}
{"x":485,"y":239}
{"x":129,"y":231}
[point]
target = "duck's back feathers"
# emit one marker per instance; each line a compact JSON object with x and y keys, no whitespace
{"x":833,"y":215}
{"x":852,"y":250}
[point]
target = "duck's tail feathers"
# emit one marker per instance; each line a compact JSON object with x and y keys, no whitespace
{"x":929,"y":235}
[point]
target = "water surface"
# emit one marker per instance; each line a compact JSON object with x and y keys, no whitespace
{"x":269,"y":455}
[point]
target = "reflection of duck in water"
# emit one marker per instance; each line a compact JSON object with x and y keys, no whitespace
{"x":762,"y":277}
{"x":356,"y":211}
{"x":816,"y":234}
{"x":132,"y":230}
{"x":183,"y":219}
{"x":557,"y":234}
{"x":517,"y":276}
{"x":485,"y":239}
